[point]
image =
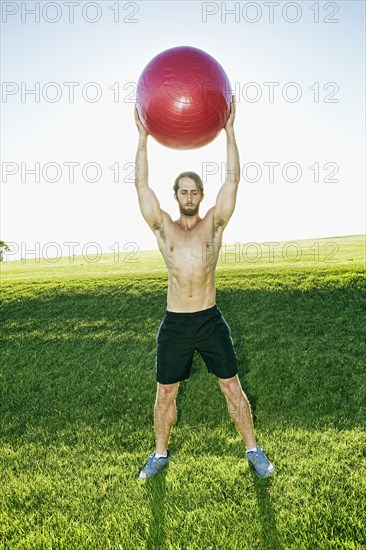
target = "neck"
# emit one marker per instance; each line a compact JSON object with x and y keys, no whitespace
{"x":188,"y":222}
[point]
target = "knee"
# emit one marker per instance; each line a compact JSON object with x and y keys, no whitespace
{"x":230,"y":386}
{"x":166,"y":392}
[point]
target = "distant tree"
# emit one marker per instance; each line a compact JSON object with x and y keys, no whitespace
{"x":3,"y":247}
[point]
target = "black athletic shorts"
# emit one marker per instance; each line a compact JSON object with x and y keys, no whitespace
{"x":181,"y":334}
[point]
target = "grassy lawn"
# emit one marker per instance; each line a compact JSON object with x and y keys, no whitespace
{"x":77,"y":388}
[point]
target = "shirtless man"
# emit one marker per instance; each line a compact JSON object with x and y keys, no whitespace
{"x":190,"y":246}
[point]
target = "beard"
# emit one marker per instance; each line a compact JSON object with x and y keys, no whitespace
{"x":189,"y":211}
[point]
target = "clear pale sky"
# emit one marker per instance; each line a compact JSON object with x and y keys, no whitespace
{"x":321,"y":64}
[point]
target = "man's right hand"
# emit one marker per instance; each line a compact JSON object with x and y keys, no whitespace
{"x":141,"y":128}
{"x":149,"y":204}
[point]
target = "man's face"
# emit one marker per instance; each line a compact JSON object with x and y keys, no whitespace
{"x":188,"y":197}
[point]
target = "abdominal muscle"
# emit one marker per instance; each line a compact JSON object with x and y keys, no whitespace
{"x":191,"y":262}
{"x":191,"y":289}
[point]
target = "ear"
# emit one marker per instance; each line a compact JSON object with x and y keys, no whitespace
{"x":175,"y":196}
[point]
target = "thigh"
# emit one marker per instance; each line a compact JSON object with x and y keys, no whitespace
{"x":217,"y":350}
{"x":174,"y":355}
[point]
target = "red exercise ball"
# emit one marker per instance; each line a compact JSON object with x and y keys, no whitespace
{"x":183,"y":98}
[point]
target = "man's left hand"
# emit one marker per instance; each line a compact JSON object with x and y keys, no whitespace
{"x":230,"y":122}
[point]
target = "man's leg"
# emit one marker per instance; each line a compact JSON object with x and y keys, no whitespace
{"x":240,"y":412}
{"x":165,"y":414}
{"x":239,"y":409}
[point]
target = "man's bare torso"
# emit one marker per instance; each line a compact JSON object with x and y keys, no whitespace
{"x":191,"y":257}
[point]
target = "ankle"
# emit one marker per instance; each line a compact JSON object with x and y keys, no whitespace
{"x":161,"y":454}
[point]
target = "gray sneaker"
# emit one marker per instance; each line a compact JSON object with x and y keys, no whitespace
{"x":262,"y":466}
{"x":153,"y":466}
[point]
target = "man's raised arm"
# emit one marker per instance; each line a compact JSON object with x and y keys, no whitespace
{"x":226,"y":198}
{"x":149,"y":204}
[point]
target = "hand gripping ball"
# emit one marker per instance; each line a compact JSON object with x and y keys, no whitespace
{"x":183,"y":98}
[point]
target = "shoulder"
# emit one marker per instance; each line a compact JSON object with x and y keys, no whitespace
{"x":163,"y":228}
{"x":212,"y":219}
{"x":167,"y":219}
{"x":210,"y":215}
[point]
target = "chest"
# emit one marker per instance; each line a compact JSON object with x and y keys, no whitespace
{"x":183,"y":246}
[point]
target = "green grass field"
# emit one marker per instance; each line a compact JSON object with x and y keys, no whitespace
{"x":77,"y":386}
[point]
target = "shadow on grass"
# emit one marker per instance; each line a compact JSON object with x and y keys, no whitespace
{"x":267,"y":515}
{"x":155,"y":488}
{"x":87,"y":356}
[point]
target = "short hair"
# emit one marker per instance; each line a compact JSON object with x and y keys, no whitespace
{"x":195,"y":177}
